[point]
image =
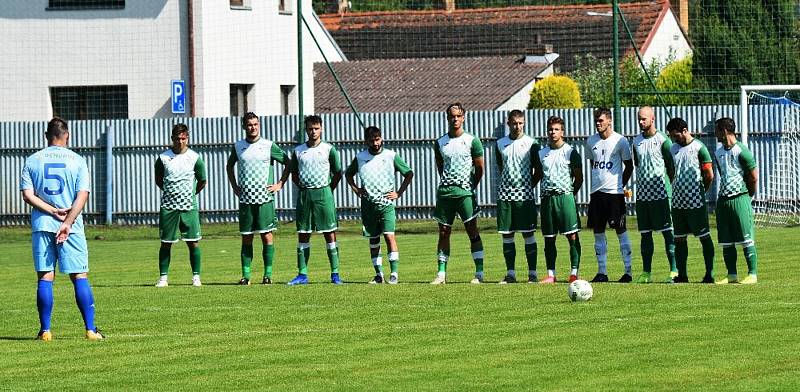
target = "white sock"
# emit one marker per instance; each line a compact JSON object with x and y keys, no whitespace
{"x":574,"y":271}
{"x":626,"y":250}
{"x":601,"y":250}
{"x":551,"y":272}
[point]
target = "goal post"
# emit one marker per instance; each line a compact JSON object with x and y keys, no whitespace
{"x":777,"y":203}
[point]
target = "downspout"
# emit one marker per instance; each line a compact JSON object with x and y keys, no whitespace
{"x":190,"y":21}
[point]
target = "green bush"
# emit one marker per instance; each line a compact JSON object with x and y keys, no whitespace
{"x":555,"y":92}
{"x":676,"y":77}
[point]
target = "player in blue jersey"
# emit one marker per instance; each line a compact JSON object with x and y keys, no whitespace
{"x":55,"y":182}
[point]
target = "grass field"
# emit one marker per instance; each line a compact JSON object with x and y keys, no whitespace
{"x":412,"y":336}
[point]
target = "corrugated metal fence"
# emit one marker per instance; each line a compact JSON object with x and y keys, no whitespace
{"x":134,"y":198}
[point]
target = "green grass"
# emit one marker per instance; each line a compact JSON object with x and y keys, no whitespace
{"x":412,"y":336}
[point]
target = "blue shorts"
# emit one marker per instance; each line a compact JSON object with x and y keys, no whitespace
{"x":72,"y":256}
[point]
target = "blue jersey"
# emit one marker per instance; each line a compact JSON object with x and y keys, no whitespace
{"x":56,"y":175}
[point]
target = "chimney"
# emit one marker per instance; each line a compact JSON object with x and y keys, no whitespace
{"x":539,"y":49}
{"x":681,"y":9}
{"x":449,"y":5}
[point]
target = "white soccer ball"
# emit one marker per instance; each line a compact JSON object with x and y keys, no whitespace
{"x":580,"y":291}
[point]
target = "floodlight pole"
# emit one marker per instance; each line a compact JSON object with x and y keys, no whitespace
{"x":300,"y":69}
{"x":615,"y":41}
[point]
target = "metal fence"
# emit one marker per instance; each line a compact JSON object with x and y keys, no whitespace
{"x":121,"y":155}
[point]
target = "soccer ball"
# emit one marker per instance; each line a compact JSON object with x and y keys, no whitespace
{"x":579,"y":291}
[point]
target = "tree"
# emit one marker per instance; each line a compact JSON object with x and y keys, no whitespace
{"x":555,"y":92}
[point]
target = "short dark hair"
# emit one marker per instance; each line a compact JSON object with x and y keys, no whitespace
{"x":56,"y":128}
{"x":456,"y":105}
{"x":179,"y":128}
{"x":312,"y":119}
{"x":370,"y":131}
{"x":555,"y":120}
{"x":677,"y":124}
{"x":515,"y":113}
{"x":727,"y":124}
{"x":247,"y":117}
{"x":601,"y":111}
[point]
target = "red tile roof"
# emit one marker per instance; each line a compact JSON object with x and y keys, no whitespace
{"x":492,"y":31}
{"x":480,"y":83}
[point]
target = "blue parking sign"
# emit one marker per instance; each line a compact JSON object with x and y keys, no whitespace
{"x":178,"y":97}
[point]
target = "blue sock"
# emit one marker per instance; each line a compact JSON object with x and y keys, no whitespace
{"x":44,"y":303}
{"x":85,"y":301}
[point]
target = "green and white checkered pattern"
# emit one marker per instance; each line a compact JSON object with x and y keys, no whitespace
{"x":652,"y":182}
{"x":688,"y":190}
{"x":457,"y":157}
{"x":178,"y":192}
{"x":254,"y":168}
{"x":376,"y":173}
{"x":732,"y":165}
{"x":314,"y":165}
{"x":557,"y":167}
{"x":516,"y":178}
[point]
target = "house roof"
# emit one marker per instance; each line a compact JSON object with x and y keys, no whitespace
{"x":480,"y":83}
{"x":571,"y":29}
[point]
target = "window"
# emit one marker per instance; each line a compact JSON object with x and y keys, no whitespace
{"x":240,"y":99}
{"x":90,"y":102}
{"x":240,"y":4}
{"x":285,"y":6}
{"x":288,"y":100}
{"x":85,"y":5}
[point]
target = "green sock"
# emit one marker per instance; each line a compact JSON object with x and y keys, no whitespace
{"x":195,"y":257}
{"x":648,"y":249}
{"x":377,"y":267}
{"x":550,"y":253}
{"x":393,"y":265}
{"x":442,"y":258}
{"x":302,"y":259}
{"x":268,"y":253}
{"x":751,"y":256}
{"x":476,"y":246}
{"x":333,"y":258}
{"x":163,"y":260}
{"x":681,"y":254}
{"x":247,"y":259}
{"x":669,"y":246}
{"x":729,"y":256}
{"x":708,"y":254}
{"x":509,"y":254}
{"x":530,"y":255}
{"x":575,"y":252}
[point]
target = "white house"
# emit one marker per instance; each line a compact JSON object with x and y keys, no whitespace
{"x":85,"y":59}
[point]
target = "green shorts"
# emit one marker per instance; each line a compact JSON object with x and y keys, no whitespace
{"x":316,"y":211}
{"x":446,"y":209}
{"x":559,"y":215}
{"x":516,"y":216}
{"x":735,"y":220}
{"x":176,"y":224}
{"x":377,"y":219}
{"x":257,"y":218}
{"x":694,"y":221}
{"x":653,"y":215}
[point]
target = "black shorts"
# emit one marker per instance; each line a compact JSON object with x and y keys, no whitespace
{"x":606,"y":208}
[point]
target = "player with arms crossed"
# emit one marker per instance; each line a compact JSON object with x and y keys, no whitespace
{"x":516,"y":207}
{"x":609,"y":152}
{"x":738,"y":178}
{"x":180,"y":173}
{"x":55,"y":182}
{"x":562,"y":178}
{"x":316,"y":170}
{"x":253,"y":157}
{"x":375,"y":167}
{"x":654,"y":170}
{"x":693,"y":177}
{"x":459,"y":162}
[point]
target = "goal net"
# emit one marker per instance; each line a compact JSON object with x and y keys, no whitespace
{"x":776,"y":111}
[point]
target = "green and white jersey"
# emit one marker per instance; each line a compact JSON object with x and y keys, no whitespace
{"x":516,"y":176}
{"x":651,"y":155}
{"x":181,"y":172}
{"x":457,"y":155}
{"x":557,"y":165}
{"x":314,"y":165}
{"x":254,"y":169}
{"x":376,"y":173}
{"x":732,"y":165}
{"x":688,"y":189}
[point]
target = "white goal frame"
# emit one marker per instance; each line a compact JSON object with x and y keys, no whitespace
{"x":744,"y":118}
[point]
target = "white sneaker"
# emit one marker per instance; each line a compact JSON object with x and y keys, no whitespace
{"x":162,"y":281}
{"x":440,"y":279}
{"x":196,"y":281}
{"x":393,"y":278}
{"x":478,"y":279}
